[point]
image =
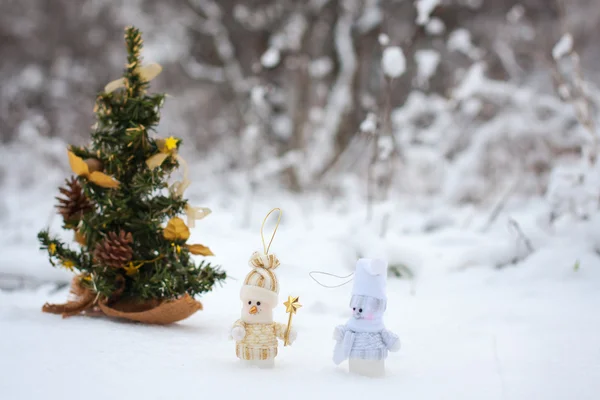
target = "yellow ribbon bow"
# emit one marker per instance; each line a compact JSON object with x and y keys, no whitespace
{"x":81,"y":168}
{"x":195,"y":213}
{"x":176,"y":229}
{"x":168,"y":148}
{"x":147,"y":73}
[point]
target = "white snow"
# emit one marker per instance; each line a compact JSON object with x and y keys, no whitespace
{"x":393,"y":62}
{"x":424,"y":10}
{"x":563,"y":47}
{"x":383,"y":39}
{"x":282,"y":127}
{"x":291,"y":33}
{"x":427,"y":63}
{"x":385,"y":147}
{"x":369,"y":124}
{"x":32,"y":77}
{"x":460,"y":40}
{"x":435,"y":27}
{"x":473,"y":4}
{"x":257,"y":95}
{"x":468,"y":331}
{"x":477,"y":321}
{"x":370,"y":17}
{"x":574,"y":190}
{"x":270,"y":58}
{"x":321,"y":67}
{"x":515,"y":14}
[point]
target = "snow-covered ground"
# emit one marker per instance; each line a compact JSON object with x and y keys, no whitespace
{"x":469,"y":330}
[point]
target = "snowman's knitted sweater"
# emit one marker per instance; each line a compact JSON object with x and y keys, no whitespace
{"x":363,"y":345}
{"x":260,"y":342}
{"x":372,"y":345}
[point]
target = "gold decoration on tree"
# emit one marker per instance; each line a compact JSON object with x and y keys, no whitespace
{"x":82,"y":169}
{"x":195,"y":213}
{"x":166,"y":148}
{"x":74,"y":203}
{"x":147,"y":73}
{"x":114,"y":250}
{"x":79,"y":238}
{"x":200,"y":250}
{"x":68,"y":264}
{"x":131,"y":269}
{"x":176,"y":229}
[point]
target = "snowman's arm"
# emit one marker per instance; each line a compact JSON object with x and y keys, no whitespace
{"x":280,"y":331}
{"x":391,"y":340}
{"x":239,"y":323}
{"x":238,"y":330}
{"x":339,"y":332}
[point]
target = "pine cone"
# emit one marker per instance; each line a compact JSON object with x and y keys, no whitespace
{"x":115,"y":250}
{"x":75,"y":203}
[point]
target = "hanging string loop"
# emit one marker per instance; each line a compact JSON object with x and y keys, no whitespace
{"x":265,"y":247}
{"x":312,"y":273}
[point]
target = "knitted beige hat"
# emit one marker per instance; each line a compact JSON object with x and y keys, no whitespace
{"x":261,"y":283}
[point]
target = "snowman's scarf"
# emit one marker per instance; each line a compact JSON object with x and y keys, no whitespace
{"x":353,"y":326}
{"x":366,"y":325}
{"x":343,"y":347}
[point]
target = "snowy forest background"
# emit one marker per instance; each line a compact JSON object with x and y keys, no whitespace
{"x":457,"y":109}
{"x":457,"y":139}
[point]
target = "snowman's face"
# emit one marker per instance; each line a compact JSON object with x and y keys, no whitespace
{"x":367,"y":308}
{"x":255,"y":310}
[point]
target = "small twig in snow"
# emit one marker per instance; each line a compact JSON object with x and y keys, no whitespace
{"x":515,"y":225}
{"x":501,"y":204}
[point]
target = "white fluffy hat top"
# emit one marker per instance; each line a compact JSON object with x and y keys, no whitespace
{"x":370,"y":278}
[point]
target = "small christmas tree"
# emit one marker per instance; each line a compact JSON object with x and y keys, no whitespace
{"x":119,"y":204}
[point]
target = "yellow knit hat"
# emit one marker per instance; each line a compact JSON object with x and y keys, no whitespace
{"x":261,"y":283}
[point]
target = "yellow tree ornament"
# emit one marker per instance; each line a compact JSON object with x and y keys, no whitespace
{"x":166,"y":148}
{"x":82,"y":169}
{"x":195,"y":213}
{"x":176,"y":229}
{"x":200,"y":250}
{"x":147,"y":73}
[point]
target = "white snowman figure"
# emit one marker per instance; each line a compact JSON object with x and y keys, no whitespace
{"x":255,"y":332}
{"x":363,"y":340}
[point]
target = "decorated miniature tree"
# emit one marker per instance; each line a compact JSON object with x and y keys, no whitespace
{"x":133,"y":256}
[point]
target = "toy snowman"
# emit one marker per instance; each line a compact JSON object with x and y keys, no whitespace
{"x":363,"y":340}
{"x":255,"y":332}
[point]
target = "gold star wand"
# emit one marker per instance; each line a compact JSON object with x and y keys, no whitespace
{"x":291,"y":305}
